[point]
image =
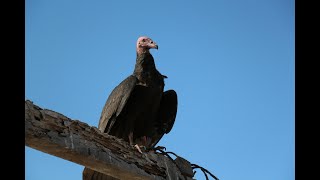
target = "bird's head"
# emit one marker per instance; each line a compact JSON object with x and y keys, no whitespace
{"x":144,"y":43}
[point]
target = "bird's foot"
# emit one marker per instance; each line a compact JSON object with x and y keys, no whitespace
{"x":139,"y":148}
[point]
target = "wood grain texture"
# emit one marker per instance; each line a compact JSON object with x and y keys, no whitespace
{"x":73,"y":140}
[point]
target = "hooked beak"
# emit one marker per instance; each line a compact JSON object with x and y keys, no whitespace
{"x":153,"y":45}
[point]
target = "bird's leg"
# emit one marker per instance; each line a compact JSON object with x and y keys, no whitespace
{"x":130,"y":136}
{"x":145,"y":142}
{"x":138,"y":148}
{"x":144,"y":138}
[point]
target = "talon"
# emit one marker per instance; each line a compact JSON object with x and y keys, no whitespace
{"x":138,"y":148}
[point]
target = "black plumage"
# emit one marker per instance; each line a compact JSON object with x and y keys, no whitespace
{"x":138,"y":110}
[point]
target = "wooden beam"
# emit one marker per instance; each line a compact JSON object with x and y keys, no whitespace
{"x":73,"y":140}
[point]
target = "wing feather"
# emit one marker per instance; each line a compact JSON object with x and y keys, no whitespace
{"x":166,"y":116}
{"x":168,"y":109}
{"x":115,"y":103}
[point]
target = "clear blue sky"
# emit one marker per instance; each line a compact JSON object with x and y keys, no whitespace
{"x":231,"y":63}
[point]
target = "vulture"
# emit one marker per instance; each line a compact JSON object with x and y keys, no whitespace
{"x":138,"y":110}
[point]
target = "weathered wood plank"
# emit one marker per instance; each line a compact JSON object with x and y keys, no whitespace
{"x":73,"y":140}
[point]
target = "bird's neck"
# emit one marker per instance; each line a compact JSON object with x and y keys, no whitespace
{"x":141,"y":51}
{"x":144,"y":63}
{"x":145,"y":67}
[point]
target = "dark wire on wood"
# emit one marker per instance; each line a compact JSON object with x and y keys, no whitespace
{"x":205,"y":171}
{"x":194,"y":166}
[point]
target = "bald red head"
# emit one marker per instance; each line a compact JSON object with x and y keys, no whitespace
{"x":144,"y":43}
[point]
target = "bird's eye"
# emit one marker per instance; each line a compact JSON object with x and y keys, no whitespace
{"x":151,"y":42}
{"x":143,"y":40}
